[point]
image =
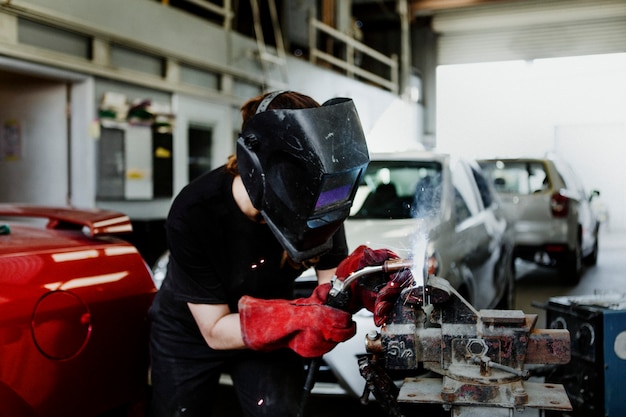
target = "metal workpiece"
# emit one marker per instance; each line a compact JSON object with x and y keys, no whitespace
{"x":549,"y":347}
{"x":480,"y":357}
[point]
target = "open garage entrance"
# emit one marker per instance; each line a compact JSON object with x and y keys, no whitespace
{"x":572,"y":107}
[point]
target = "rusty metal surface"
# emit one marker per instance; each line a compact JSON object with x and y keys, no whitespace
{"x":549,"y":346}
{"x":479,"y":356}
{"x":516,"y":396}
{"x":502,"y":317}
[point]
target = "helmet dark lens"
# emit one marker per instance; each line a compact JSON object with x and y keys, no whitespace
{"x":336,"y":188}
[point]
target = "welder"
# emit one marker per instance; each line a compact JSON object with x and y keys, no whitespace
{"x":238,"y":237}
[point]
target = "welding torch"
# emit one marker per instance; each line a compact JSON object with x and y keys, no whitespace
{"x":339,"y":297}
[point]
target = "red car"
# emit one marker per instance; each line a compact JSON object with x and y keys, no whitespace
{"x":73,"y":314}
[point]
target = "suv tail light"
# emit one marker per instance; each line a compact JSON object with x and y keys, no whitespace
{"x":559,"y":205}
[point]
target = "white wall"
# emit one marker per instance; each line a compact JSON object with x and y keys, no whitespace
{"x":389,"y":122}
{"x":598,"y":151}
{"x":41,"y":177}
{"x":150,"y":22}
{"x":219,"y":118}
{"x":83,"y":192}
{"x":39,"y":174}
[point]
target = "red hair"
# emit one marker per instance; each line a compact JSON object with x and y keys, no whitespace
{"x":286,"y":100}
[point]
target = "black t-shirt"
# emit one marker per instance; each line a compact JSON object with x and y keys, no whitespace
{"x":217,"y":255}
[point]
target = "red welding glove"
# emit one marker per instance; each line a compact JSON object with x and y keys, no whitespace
{"x":306,"y":325}
{"x":380,"y":294}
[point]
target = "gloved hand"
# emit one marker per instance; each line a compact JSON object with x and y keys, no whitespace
{"x":379,"y":299}
{"x":306,"y":325}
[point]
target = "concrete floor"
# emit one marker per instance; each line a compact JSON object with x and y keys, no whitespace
{"x":534,"y":286}
{"x":538,"y":285}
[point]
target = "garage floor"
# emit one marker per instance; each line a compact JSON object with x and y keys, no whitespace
{"x":609,"y":275}
{"x":535,"y":285}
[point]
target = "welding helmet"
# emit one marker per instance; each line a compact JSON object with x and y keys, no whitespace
{"x":301,"y":168}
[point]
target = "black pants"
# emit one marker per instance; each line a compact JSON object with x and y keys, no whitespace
{"x":267,"y":384}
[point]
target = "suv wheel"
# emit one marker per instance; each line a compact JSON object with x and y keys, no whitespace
{"x":572,"y":267}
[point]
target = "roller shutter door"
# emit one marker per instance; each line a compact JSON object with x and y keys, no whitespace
{"x":530,"y":29}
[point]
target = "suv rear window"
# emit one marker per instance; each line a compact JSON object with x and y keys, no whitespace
{"x":517,"y":177}
{"x":399,"y":190}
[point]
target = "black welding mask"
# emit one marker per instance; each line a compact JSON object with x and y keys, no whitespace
{"x":301,"y":169}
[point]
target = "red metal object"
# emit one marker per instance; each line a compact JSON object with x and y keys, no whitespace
{"x":73,"y":314}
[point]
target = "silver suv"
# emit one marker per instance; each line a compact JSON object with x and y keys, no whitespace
{"x":444,"y":207}
{"x":555,"y":225}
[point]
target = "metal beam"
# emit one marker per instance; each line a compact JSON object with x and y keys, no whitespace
{"x":421,"y":7}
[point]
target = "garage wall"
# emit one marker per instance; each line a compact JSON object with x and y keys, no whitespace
{"x":531,"y":29}
{"x":389,"y":122}
{"x":223,"y":121}
{"x":597,"y":151}
{"x":38,"y":108}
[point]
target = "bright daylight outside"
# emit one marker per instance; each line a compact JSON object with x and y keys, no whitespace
{"x":574,"y":107}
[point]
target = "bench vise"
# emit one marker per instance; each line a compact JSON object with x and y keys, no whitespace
{"x":470,"y":361}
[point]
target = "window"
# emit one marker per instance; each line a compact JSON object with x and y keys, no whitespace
{"x":483,"y":188}
{"x":54,"y":39}
{"x":199,"y":77}
{"x":123,"y":57}
{"x":200,"y":139}
{"x":464,"y":185}
{"x":461,"y":208}
{"x":399,"y":190}
{"x":570,"y":179}
{"x":517,"y":177}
